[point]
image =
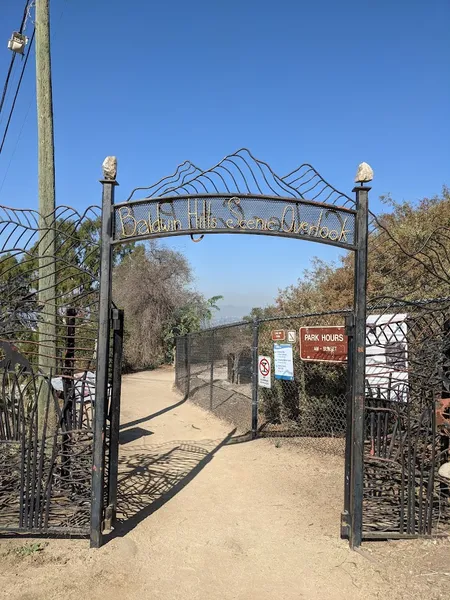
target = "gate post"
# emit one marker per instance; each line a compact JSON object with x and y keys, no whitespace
{"x":255,"y":378}
{"x":114,"y":418}
{"x":101,"y":376}
{"x":359,"y":366}
{"x":211,"y":373}
{"x":345,"y":516}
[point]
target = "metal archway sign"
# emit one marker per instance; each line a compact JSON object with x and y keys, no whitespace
{"x":240,"y":195}
{"x":244,"y":213}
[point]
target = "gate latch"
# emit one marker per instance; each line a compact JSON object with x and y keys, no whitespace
{"x":349,"y":325}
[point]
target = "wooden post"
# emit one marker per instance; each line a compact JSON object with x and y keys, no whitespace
{"x":46,"y":196}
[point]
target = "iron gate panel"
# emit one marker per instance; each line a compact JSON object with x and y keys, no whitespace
{"x":46,"y":416}
{"x":45,"y":468}
{"x":405,"y":443}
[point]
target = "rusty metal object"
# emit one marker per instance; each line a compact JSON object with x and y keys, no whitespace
{"x":443,"y":412}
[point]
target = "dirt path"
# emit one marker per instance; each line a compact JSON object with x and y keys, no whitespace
{"x":204,"y":520}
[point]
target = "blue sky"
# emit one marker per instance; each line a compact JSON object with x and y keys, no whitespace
{"x":328,"y":83}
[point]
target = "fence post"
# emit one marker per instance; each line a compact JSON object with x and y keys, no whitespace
{"x":175,"y":363}
{"x":359,"y":366}
{"x":188,"y":364}
{"x":211,"y":377}
{"x":345,"y":516}
{"x":114,"y":418}
{"x":101,"y":375}
{"x":255,"y":379}
{"x":302,"y":405}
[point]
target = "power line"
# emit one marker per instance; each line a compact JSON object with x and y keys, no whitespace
{"x":17,"y":93}
{"x":13,"y":57}
{"x":16,"y":145}
{"x":5,"y":87}
{"x":55,"y":35}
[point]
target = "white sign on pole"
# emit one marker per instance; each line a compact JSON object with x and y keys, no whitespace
{"x":291,"y":337}
{"x":284,"y":362}
{"x":264,"y":371}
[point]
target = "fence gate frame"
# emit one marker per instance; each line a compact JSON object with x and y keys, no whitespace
{"x":223,"y":200}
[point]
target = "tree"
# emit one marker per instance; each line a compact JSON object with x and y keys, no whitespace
{"x":153,"y":287}
{"x":261,"y":313}
{"x":210,"y":305}
{"x":409,"y":259}
{"x":409,"y":251}
{"x":195,"y":315}
{"x":77,"y":255}
{"x":18,"y":300}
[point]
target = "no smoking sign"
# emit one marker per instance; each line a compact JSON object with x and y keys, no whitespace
{"x":264,"y":367}
{"x":264,"y":371}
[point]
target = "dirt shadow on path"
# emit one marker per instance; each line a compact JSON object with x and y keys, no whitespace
{"x":153,"y":415}
{"x":151,"y":475}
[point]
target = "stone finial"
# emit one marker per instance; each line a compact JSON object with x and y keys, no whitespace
{"x":444,"y":470}
{"x":364,"y":173}
{"x":110,"y":168}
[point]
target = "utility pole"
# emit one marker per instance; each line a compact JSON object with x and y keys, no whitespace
{"x":46,"y":196}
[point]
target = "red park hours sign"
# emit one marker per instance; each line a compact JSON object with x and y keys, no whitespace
{"x":323,"y":344}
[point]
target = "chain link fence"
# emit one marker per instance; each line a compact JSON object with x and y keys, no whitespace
{"x":214,"y":369}
{"x":311,"y":405}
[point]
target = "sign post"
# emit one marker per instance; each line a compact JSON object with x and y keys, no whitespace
{"x":255,"y":373}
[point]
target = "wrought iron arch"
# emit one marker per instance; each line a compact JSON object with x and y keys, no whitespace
{"x":240,"y":194}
